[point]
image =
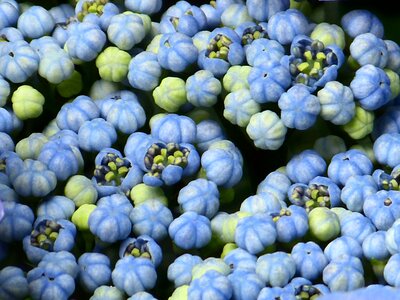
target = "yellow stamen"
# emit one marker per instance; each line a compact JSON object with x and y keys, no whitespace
{"x":303,"y":66}
{"x":109,"y":176}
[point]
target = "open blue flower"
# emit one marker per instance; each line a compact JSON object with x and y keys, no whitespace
{"x":224,"y":49}
{"x":312,"y":63}
{"x":168,"y":163}
{"x":48,"y":235}
{"x":143,"y":246}
{"x":250,"y":32}
{"x":92,"y":12}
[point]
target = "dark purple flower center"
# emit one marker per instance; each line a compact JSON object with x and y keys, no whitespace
{"x":311,"y":197}
{"x":307,"y":291}
{"x":45,"y":234}
{"x":139,"y":248}
{"x":160,"y":155}
{"x":112,"y":169}
{"x":91,"y":7}
{"x":252,"y":33}
{"x":310,"y":61}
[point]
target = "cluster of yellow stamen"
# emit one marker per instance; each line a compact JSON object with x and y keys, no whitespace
{"x":253,"y":33}
{"x":219,"y":47}
{"x":138,"y":248}
{"x":45,"y":234}
{"x":310,"y":61}
{"x":159,"y":156}
{"x":311,"y":196}
{"x":112,"y":169}
{"x":91,"y":7}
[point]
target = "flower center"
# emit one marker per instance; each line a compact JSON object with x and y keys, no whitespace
{"x":389,"y":182}
{"x":252,"y":33}
{"x":318,"y":197}
{"x":45,"y":234}
{"x":311,"y":197}
{"x":112,"y":169}
{"x":310,"y":61}
{"x":219,"y":47}
{"x":307,"y":291}
{"x":91,"y":7}
{"x":139,"y":248}
{"x":159,"y":156}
